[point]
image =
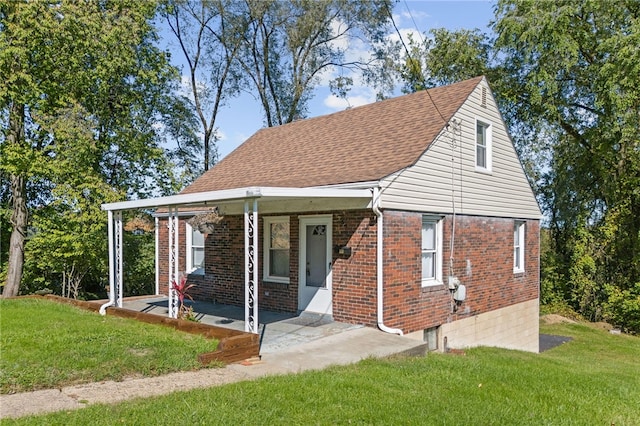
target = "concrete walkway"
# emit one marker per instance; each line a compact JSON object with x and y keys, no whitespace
{"x":338,"y":348}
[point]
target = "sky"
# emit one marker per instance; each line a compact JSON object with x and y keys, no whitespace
{"x":242,"y":116}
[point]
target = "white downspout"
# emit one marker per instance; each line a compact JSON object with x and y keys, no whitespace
{"x":157,"y":254}
{"x":375,"y":206}
{"x":112,"y":255}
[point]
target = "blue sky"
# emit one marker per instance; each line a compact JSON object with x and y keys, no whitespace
{"x":243,"y":117}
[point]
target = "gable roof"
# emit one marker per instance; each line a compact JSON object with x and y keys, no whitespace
{"x":361,"y":144}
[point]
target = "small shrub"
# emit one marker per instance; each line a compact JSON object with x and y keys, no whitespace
{"x":622,"y":308}
{"x":182,"y":290}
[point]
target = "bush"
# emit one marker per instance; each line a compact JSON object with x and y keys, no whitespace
{"x":622,"y":308}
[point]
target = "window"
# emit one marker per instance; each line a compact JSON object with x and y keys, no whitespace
{"x":483,"y":146}
{"x":276,"y":249}
{"x":195,"y":251}
{"x":431,"y":251}
{"x":518,"y":247}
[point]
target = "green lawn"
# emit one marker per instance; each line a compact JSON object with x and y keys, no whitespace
{"x":45,"y":344}
{"x":593,"y":380}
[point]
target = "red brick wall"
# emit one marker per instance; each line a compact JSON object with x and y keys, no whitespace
{"x":223,"y":281}
{"x":485,"y":244}
{"x":354,"y":277}
{"x":482,"y":260}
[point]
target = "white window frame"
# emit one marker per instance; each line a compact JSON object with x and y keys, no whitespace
{"x":266,"y":273}
{"x":437,"y":278}
{"x":519,"y":234}
{"x":189,"y":254}
{"x":488,"y":146}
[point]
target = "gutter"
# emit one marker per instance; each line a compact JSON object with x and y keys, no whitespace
{"x":112,"y":290}
{"x":375,"y":206}
{"x":103,"y":308}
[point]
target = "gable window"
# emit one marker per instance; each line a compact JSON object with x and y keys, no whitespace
{"x":431,"y":251}
{"x":518,"y":247}
{"x":276,"y":249}
{"x":195,"y":251}
{"x":483,"y":146}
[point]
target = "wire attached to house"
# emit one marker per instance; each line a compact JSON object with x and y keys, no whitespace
{"x":423,"y":80}
{"x":454,"y":127}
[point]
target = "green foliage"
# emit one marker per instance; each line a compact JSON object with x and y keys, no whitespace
{"x":623,"y":307}
{"x":84,"y":94}
{"x":139,"y":269}
{"x":47,"y":344}
{"x":287,"y":45}
{"x":570,"y":75}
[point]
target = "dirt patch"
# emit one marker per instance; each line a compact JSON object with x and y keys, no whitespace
{"x":603,"y":326}
{"x":552,"y":319}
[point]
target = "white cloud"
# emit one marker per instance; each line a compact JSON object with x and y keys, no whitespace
{"x":413,"y":15}
{"x":339,"y":104}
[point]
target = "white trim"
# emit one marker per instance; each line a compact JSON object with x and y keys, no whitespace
{"x":519,"y":235}
{"x":189,"y":252}
{"x":303,"y":221}
{"x":266,"y":273}
{"x":437,"y":280}
{"x":264,"y":193}
{"x":488,"y":145}
{"x":174,"y":259}
{"x":251,"y":265}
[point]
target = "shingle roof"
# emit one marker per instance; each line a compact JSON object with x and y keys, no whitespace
{"x":357,"y":145}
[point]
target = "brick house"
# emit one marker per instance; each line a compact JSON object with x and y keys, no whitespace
{"x":411,"y":214}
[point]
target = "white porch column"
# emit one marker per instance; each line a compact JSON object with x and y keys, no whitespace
{"x":174,"y":252}
{"x":251,"y":266}
{"x":115,"y":257}
{"x":157,"y":254}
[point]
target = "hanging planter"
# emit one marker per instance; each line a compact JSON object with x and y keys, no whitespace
{"x":206,"y":222}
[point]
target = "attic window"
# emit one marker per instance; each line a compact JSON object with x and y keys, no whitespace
{"x":483,"y":146}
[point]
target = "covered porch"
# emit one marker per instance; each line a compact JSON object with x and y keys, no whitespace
{"x":242,"y":202}
{"x":277,"y":330}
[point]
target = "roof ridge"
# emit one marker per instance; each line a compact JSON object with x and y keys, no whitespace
{"x":364,"y":143}
{"x":382,"y":101}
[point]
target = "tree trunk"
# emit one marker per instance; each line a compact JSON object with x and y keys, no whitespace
{"x":19,"y":209}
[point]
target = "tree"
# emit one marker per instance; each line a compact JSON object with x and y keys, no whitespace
{"x":209,"y":40}
{"x":82,"y":86}
{"x":288,"y":45}
{"x":574,"y":73}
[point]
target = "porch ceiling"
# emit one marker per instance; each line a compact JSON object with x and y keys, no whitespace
{"x":265,"y":195}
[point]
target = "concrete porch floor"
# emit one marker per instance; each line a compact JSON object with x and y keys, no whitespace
{"x":277,"y":330}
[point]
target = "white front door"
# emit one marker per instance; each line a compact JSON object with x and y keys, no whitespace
{"x":315,"y":264}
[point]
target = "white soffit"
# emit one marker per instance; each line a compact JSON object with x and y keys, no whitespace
{"x":262,"y":193}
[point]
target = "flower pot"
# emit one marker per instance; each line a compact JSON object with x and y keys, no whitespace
{"x":206,"y":228}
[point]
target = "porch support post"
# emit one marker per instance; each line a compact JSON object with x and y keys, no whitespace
{"x":251,"y":266}
{"x":115,"y":257}
{"x":156,"y":259}
{"x":174,"y":252}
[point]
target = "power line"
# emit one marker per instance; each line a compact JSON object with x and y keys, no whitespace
{"x":424,"y":82}
{"x":414,"y":21}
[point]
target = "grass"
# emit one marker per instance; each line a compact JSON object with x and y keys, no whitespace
{"x":45,"y":344}
{"x":592,"y":380}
